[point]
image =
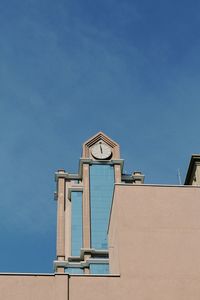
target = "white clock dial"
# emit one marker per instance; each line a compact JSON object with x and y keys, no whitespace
{"x":101,"y":151}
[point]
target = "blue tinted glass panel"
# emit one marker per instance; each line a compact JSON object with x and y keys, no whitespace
{"x":74,"y":271}
{"x":99,"y":269}
{"x":76,"y":215}
{"x":101,"y":190}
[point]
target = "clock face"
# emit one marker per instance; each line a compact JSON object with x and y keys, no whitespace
{"x":101,"y":151}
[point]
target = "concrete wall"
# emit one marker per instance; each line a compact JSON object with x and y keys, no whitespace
{"x":94,"y":287}
{"x":154,"y":240}
{"x":33,"y":287}
{"x":158,"y":241}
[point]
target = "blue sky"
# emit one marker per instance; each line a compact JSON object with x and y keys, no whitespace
{"x":69,"y":69}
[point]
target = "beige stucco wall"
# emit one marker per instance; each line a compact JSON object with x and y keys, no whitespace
{"x":33,"y":287}
{"x":158,"y":241}
{"x":94,"y":287}
{"x":154,"y":240}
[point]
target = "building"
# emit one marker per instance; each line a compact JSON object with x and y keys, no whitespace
{"x":193,"y":174}
{"x":84,"y":205}
{"x":118,"y":237}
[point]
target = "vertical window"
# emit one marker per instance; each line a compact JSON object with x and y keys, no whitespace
{"x":99,"y":268}
{"x":101,"y":190}
{"x":76,"y":223}
{"x":73,"y":271}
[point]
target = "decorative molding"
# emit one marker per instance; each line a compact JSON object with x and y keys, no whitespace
{"x":74,"y":189}
{"x":82,"y":161}
{"x":100,"y":136}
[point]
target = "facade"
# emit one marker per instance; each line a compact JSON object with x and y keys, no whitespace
{"x":84,"y":204}
{"x":118,"y":237}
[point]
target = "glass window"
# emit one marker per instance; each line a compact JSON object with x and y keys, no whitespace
{"x":76,"y":215}
{"x":101,"y":190}
{"x":99,"y":269}
{"x":73,"y":271}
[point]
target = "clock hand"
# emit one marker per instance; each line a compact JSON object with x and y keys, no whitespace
{"x":101,"y":149}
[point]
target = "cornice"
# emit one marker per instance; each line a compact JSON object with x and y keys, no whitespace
{"x":88,"y":161}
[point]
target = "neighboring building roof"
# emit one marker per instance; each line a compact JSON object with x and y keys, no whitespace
{"x":194,"y":161}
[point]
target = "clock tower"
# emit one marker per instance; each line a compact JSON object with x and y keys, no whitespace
{"x":83,"y":207}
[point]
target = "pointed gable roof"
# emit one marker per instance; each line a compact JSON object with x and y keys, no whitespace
{"x":100,"y":136}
